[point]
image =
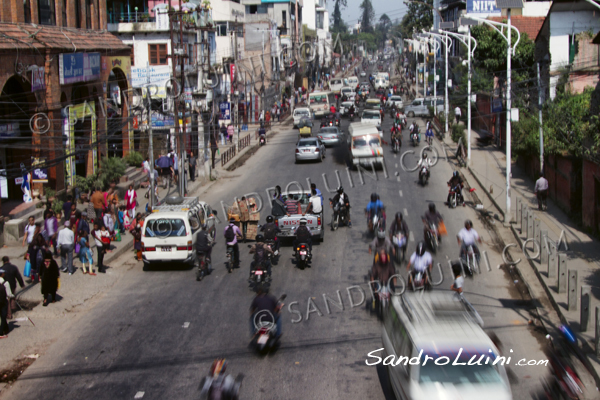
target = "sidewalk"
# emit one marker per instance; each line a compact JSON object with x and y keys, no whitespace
{"x":488,"y":168}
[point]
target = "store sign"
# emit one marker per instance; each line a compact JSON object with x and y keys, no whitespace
{"x":486,"y":7}
{"x":37,"y":79}
{"x":162,"y":121}
{"x":157,"y":75}
{"x":10,"y":130}
{"x":497,"y":105}
{"x":40,"y":171}
{"x":78,"y":67}
{"x":225,"y":108}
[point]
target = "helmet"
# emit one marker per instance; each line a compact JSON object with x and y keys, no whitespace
{"x":374,"y":196}
{"x":303,"y":221}
{"x":260,"y":238}
{"x":424,"y":156}
{"x":468,"y":224}
{"x":381,"y":234}
{"x":340,"y":190}
{"x":218,"y":367}
{"x":455,"y":174}
{"x":269,"y":219}
{"x":432,"y":207}
{"x":399,"y":215}
{"x":420,"y":248}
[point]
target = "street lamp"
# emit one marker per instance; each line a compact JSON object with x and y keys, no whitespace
{"x":448,"y":43}
{"x":511,"y":50}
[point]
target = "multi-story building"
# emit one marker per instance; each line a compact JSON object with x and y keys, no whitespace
{"x":316,"y":17}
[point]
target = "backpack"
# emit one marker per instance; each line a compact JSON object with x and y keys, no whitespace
{"x":3,"y":295}
{"x":302,"y":233}
{"x":269,"y":231}
{"x":259,"y":252}
{"x":221,"y":389}
{"x":229,"y":234}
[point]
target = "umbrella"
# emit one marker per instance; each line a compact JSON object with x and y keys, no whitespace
{"x":163,"y":162}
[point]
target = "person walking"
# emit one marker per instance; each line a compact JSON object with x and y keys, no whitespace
{"x":50,"y":277}
{"x":5,"y":295}
{"x":97,"y":201}
{"x":29,"y":231}
{"x":97,"y":236}
{"x":457,"y":113}
{"x":192,"y":163}
{"x":51,"y":227}
{"x":136,"y":231}
{"x":131,"y":198}
{"x":541,"y":191}
{"x":85,"y":255}
{"x":36,"y":252}
{"x":12,"y":276}
{"x":230,"y":132}
{"x":66,"y":244}
{"x":213,"y":148}
{"x":278,"y":114}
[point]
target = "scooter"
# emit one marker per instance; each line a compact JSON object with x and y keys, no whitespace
{"x":303,"y":256}
{"x":469,"y":260}
{"x":265,"y":339}
{"x":423,"y":175}
{"x":263,"y":140}
{"x":431,"y":237}
{"x":340,"y":216}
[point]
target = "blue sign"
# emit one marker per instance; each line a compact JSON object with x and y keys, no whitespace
{"x":486,"y":7}
{"x":225,"y":108}
{"x":78,"y":67}
{"x":497,"y":105}
{"x":159,"y":120}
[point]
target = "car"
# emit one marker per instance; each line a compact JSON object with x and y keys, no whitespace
{"x":336,"y":85}
{"x":348,"y":92}
{"x":379,"y":93}
{"x":420,"y":107}
{"x":372,"y":117}
{"x":363,"y":74}
{"x":364,"y":144}
{"x":330,"y":135}
{"x":345,"y":106}
{"x":300,"y":113}
{"x":308,"y":149}
{"x":395,"y":100}
{"x":373,"y":104}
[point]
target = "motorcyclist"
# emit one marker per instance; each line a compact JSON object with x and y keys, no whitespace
{"x":383,"y":269}
{"x":351,"y":110}
{"x":424,"y":162}
{"x":399,"y":226}
{"x":271,"y":230}
{"x":456,"y":185}
{"x":233,"y":242}
{"x":262,"y":132}
{"x":220,"y":385}
{"x":339,"y":199}
{"x":303,"y":235}
{"x":432,"y":217}
{"x":429,"y":132}
{"x":203,"y":245}
{"x":373,"y":208}
{"x":414,"y":129}
{"x":268,"y":304}
{"x":381,"y":241}
{"x":468,"y":236}
{"x":260,"y":250}
{"x":332,"y":109}
{"x":420,"y":261}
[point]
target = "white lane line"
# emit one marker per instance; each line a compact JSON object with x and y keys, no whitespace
{"x":396,"y":165}
{"x":186,"y":325}
{"x":411,"y":237}
{"x":398,"y":178}
{"x":139,"y":395}
{"x":400,"y":191}
{"x":405,"y":211}
{"x":395,"y":156}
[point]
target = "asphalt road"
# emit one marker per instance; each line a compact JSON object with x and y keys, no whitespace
{"x":157,"y":332}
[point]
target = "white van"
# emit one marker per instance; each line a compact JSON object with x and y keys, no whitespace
{"x":336,"y":85}
{"x":169,"y":232}
{"x":439,"y":325}
{"x":364,"y":145}
{"x":385,"y":76}
{"x":381,"y":83}
{"x":320,"y":103}
{"x":352,"y":81}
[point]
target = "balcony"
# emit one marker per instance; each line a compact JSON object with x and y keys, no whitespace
{"x":131,"y":17}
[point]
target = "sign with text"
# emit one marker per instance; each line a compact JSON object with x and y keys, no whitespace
{"x":225,"y":109}
{"x":78,"y":67}
{"x":156,"y":75}
{"x":37,"y":79}
{"x":482,"y":7}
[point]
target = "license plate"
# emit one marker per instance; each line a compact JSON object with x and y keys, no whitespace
{"x":306,"y":150}
{"x":302,"y":253}
{"x":259,"y":272}
{"x":263,"y":339}
{"x":165,"y":248}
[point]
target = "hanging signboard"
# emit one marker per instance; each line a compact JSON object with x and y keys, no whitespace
{"x":37,"y":79}
{"x":482,"y":7}
{"x":78,"y":67}
{"x":40,"y":171}
{"x":225,"y":109}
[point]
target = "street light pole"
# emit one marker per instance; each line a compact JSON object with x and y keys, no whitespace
{"x":508,"y":215}
{"x":447,"y":101}
{"x":469,"y":101}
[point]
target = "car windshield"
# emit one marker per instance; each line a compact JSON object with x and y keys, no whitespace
{"x":328,"y":130}
{"x":307,"y":143}
{"x":346,"y":90}
{"x":301,"y":112}
{"x":430,"y":373}
{"x":370,"y":116}
{"x":165,"y":227}
{"x":366,"y":140}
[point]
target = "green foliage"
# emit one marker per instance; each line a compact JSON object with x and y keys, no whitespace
{"x":525,"y":133}
{"x":367,"y":16}
{"x":134,"y":159}
{"x":57,"y":207}
{"x":85,"y":184}
{"x":458,"y":131}
{"x":112,"y":169}
{"x":338,"y":23}
{"x":417,"y":17}
{"x":49,"y":193}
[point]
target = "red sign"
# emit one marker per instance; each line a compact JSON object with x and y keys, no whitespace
{"x":135,"y":123}
{"x":232,"y":74}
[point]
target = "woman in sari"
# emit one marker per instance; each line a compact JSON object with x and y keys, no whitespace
{"x":131,"y":198}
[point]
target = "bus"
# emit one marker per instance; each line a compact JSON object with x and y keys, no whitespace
{"x":320,"y":103}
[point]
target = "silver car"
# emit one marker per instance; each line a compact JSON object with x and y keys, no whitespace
{"x":397,"y":101}
{"x":330,"y":135}
{"x":310,"y":149}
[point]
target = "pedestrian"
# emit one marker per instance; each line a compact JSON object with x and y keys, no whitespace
{"x":192,"y":166}
{"x":50,"y":278}
{"x":5,"y":295}
{"x":175,"y":167}
{"x":109,"y":222}
{"x":97,"y":236}
{"x":230,"y":132}
{"x":85,"y":255}
{"x":213,"y":148}
{"x":278,"y":114}
{"x":98,"y":203}
{"x":51,"y":227}
{"x":131,"y":199}
{"x":261,"y":118}
{"x":268,"y":118}
{"x":66,"y":243}
{"x":457,"y":113}
{"x":112,"y":198}
{"x":136,"y":231}
{"x":36,"y":252}
{"x":244,"y":215}
{"x":146,"y":166}
{"x":91,"y":213}
{"x":541,"y":191}
{"x":223,"y":131}
{"x":67,"y":207}
{"x":12,"y":276}
{"x":29,"y":231}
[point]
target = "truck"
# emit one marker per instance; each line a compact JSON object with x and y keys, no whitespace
{"x":364,"y":145}
{"x":289,"y":224}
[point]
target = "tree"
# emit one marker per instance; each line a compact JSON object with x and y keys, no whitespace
{"x":338,"y":23}
{"x":367,"y":17}
{"x":384,"y":21}
{"x":418,"y":17}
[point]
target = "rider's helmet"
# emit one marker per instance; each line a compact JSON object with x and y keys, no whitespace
{"x":420,"y":249}
{"x":374,"y":197}
{"x":218,"y":367}
{"x":432,"y":207}
{"x":303,"y":221}
{"x":398,"y":216}
{"x":424,"y":156}
{"x":260,"y":238}
{"x":455,"y":174}
{"x":468,"y":224}
{"x":340,"y":190}
{"x":269,"y":219}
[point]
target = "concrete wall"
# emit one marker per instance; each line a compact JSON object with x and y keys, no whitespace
{"x":590,"y":213}
{"x":561,"y":26}
{"x":309,"y":17}
{"x":536,"y":8}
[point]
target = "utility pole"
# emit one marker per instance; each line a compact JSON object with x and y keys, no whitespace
{"x":150,"y":139}
{"x":446,"y":102}
{"x":237,"y":100}
{"x":540,"y":117}
{"x":182,"y":131}
{"x":508,"y":215}
{"x":469,"y":100}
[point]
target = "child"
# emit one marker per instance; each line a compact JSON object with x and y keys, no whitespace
{"x":121,"y":219}
{"x":105,"y":238}
{"x":459,"y":281}
{"x":126,"y":220}
{"x":85,"y":254}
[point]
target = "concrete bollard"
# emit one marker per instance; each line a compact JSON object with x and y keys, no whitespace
{"x":572,"y":294}
{"x":552,"y":261}
{"x":562,"y":273}
{"x":543,"y":247}
{"x":524,"y":211}
{"x":529,"y":224}
{"x":536,"y":231}
{"x":586,"y":309}
{"x":597,"y":338}
{"x":519,"y":209}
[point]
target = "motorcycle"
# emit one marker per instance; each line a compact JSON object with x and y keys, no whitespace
{"x":263,"y":140}
{"x":203,"y":266}
{"x":230,"y":259}
{"x":414,"y":137}
{"x":454,"y":197}
{"x":423,"y":175}
{"x":273,"y":258}
{"x":431,"y":237}
{"x":303,"y":256}
{"x":265,"y":337}
{"x":396,"y":143}
{"x":381,"y":298}
{"x":469,"y":260}
{"x":400,"y":241}
{"x":418,"y":280}
{"x":337,"y":122}
{"x":375,"y":223}
{"x":340,"y":216}
{"x":351,"y":116}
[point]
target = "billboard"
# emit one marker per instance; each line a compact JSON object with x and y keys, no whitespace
{"x":482,"y":7}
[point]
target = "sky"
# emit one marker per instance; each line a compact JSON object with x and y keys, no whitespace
{"x":393,"y":8}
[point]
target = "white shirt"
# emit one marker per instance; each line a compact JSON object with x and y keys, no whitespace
{"x":457,"y":111}
{"x":425,"y":162}
{"x":146,"y":166}
{"x":66,"y":236}
{"x":420,"y":263}
{"x":316,"y":204}
{"x":97,"y":236}
{"x":30,"y":230}
{"x":9,"y":293}
{"x":459,"y":282}
{"x":468,"y":237}
{"x":541,"y":184}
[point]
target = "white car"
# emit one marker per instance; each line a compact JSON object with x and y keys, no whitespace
{"x":363,"y":74}
{"x":300,"y":113}
{"x":395,"y":100}
{"x":345,"y":106}
{"x":372,"y":117}
{"x":349,"y":92}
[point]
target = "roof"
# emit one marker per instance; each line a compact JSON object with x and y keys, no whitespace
{"x":529,"y":25}
{"x":31,"y":36}
{"x":509,"y":4}
{"x":566,"y":5}
{"x":358,"y":129}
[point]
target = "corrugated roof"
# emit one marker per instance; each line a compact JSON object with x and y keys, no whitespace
{"x":529,"y":25}
{"x":29,"y":36}
{"x":514,"y":4}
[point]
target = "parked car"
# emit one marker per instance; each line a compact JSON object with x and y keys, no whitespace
{"x":330,"y":135}
{"x":300,"y":113}
{"x":420,"y":107}
{"x":308,"y":149}
{"x":395,"y":100}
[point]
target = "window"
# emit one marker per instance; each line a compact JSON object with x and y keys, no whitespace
{"x":131,"y":55}
{"x":64,"y":13}
{"x":283,"y":18}
{"x":157,"y":54}
{"x":77,"y":15}
{"x":162,"y":228}
{"x":27,"y":11}
{"x":88,"y":14}
{"x":46,"y":12}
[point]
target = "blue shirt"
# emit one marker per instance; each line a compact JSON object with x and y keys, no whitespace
{"x":375,"y":206}
{"x":236,"y":230}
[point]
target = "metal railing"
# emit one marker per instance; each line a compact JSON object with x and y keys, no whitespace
{"x":115,"y":18}
{"x":228,"y":155}
{"x":244,"y":142}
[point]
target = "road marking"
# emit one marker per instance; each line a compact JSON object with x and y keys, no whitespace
{"x":400,"y":191}
{"x":398,"y":178}
{"x":411,"y":237}
{"x":139,"y":395}
{"x":395,"y":156}
{"x":396,"y":165}
{"x":405,"y":211}
{"x":186,"y":325}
